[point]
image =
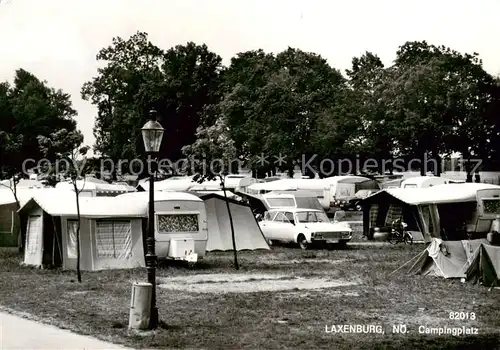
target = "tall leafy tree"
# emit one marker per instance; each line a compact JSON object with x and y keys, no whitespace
{"x":435,"y":101}
{"x":272,"y":103}
{"x":30,"y":108}
{"x":371,"y":139}
{"x":138,"y":76}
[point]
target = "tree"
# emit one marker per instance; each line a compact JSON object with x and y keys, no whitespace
{"x":212,"y":154}
{"x":434,"y":101}
{"x":138,"y":76}
{"x":272,"y":104}
{"x":370,"y":138}
{"x":68,"y":148}
{"x":28,"y":108}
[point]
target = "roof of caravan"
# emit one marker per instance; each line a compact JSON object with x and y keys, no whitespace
{"x":57,"y":202}
{"x":422,"y":179}
{"x":160,"y":196}
{"x":278,"y":185}
{"x":446,"y":193}
{"x":346,"y":179}
{"x":97,"y":186}
{"x":299,"y":193}
{"x":295,"y":210}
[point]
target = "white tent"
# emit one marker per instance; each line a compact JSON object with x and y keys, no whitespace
{"x":9,"y":218}
{"x":248,"y":235}
{"x":110,"y":233}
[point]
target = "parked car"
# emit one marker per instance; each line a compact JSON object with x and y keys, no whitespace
{"x":305,"y":227}
{"x":353,"y":203}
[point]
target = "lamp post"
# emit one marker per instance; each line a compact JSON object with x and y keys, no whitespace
{"x":152,"y":134}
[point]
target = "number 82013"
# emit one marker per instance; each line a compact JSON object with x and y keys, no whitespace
{"x":462,"y":315}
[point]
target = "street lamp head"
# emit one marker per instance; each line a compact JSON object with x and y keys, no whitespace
{"x":152,"y":134}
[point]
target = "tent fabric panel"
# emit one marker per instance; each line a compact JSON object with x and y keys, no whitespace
{"x":34,"y":246}
{"x":485,"y":266}
{"x":215,"y":241}
{"x":493,"y":255}
{"x":248,"y":235}
{"x":72,"y":251}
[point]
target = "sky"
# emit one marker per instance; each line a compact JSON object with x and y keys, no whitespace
{"x":57,"y":40}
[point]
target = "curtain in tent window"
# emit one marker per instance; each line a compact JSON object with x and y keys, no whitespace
{"x":33,"y":234}
{"x":395,"y":212}
{"x":114,"y":239}
{"x":373,"y":215}
{"x":72,"y":246}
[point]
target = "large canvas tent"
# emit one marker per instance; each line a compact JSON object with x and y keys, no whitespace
{"x":448,"y":211}
{"x":248,"y":235}
{"x":110,"y":233}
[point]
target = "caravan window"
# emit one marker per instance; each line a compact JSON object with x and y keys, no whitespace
{"x":281,"y":202}
{"x":410,"y":186}
{"x":71,"y":246}
{"x":114,"y":239}
{"x":172,"y":223}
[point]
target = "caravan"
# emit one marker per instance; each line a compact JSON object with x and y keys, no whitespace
{"x":425,"y":181}
{"x":181,"y":230}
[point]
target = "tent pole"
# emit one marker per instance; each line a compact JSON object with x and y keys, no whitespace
{"x":493,"y":284}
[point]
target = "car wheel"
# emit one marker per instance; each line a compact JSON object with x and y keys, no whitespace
{"x":302,"y":241}
{"x":359,"y":207}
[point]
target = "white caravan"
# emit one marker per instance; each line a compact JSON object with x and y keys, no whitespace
{"x":425,"y":181}
{"x":181,"y":229}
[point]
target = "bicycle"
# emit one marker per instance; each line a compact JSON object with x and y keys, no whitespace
{"x":399,"y":234}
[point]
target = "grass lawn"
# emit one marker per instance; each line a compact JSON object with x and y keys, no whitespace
{"x":264,"y":320}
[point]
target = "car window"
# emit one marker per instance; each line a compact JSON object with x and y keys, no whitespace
{"x":269,"y":215}
{"x":289,"y":216}
{"x":281,"y":217}
{"x":312,"y":216}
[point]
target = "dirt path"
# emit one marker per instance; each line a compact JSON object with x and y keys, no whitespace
{"x":19,"y":333}
{"x":249,"y":283}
